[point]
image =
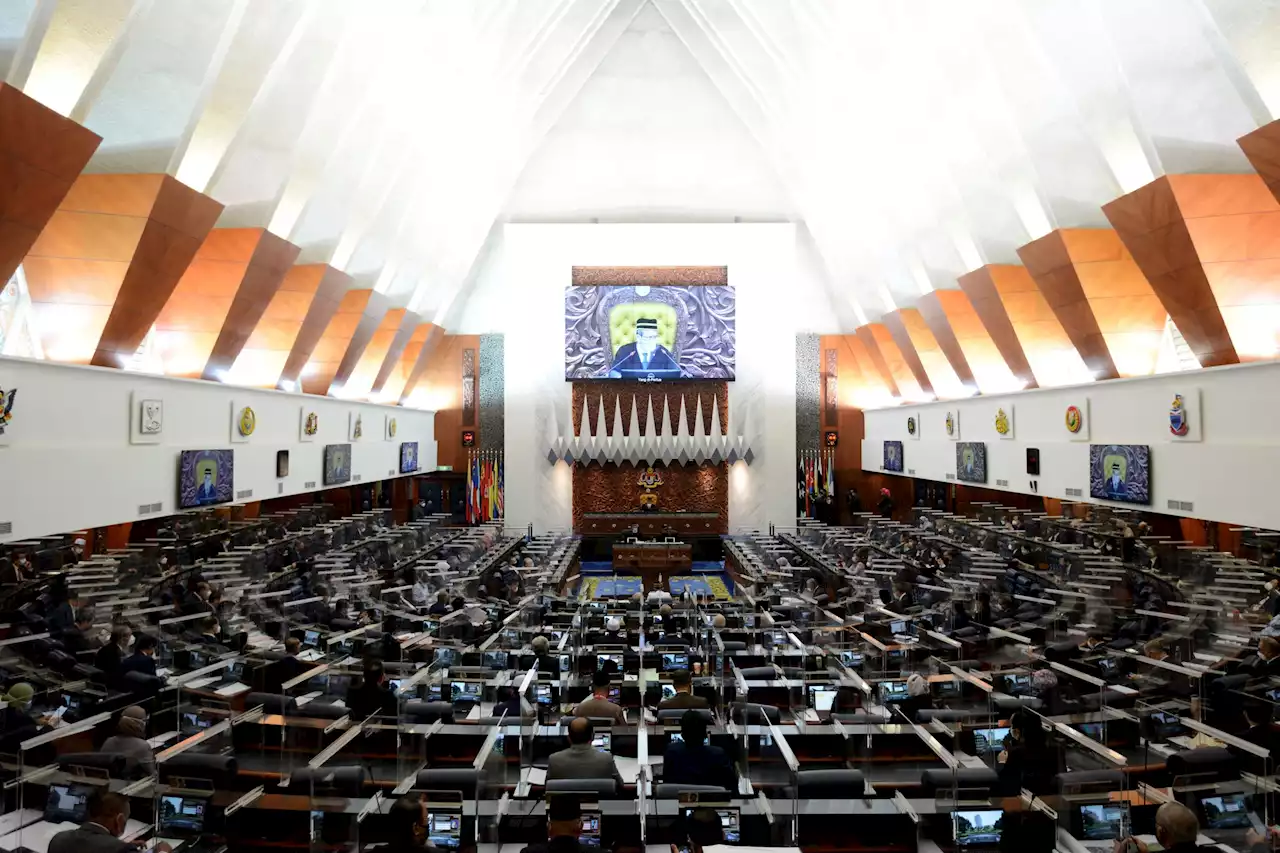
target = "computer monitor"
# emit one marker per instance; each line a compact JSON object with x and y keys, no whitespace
{"x":989,"y":741}
{"x":1108,"y":666}
{"x":893,"y":691}
{"x":671,"y":661}
{"x":730,"y":822}
{"x":495,"y":660}
{"x":947,"y":687}
{"x":464,"y":691}
{"x":235,"y":671}
{"x":182,"y":815}
{"x":394,"y":684}
{"x":1165,"y":725}
{"x":444,"y":829}
{"x":197,"y":660}
{"x":1017,"y":682}
{"x":668,"y":690}
{"x":1091,"y":730}
{"x":677,"y":737}
{"x":821,"y":698}
{"x":898,"y":626}
{"x":1104,"y":821}
{"x":851,"y":659}
{"x":615,"y":694}
{"x":616,"y":659}
{"x":590,"y":835}
{"x":602,"y":741}
{"x":67,"y":804}
{"x":1225,"y":811}
{"x":543,"y":693}
{"x":193,"y":722}
{"x":311,"y":639}
{"x":447,"y":657}
{"x":975,"y":829}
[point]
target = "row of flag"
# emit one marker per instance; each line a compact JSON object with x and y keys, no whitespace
{"x":484,"y":486}
{"x":816,"y":479}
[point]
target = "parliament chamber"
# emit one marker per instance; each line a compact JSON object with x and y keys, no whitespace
{"x":639,"y":426}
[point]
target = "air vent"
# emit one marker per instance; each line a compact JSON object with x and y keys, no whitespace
{"x":1171,"y":504}
{"x":951,"y":476}
{"x":246,"y":493}
{"x":309,"y":484}
{"x":357,"y":478}
{"x":1186,"y":506}
{"x":6,"y":527}
{"x":1075,"y":493}
{"x":1002,"y":482}
{"x":279,"y":488}
{"x":392,"y":472}
{"x":911,"y":471}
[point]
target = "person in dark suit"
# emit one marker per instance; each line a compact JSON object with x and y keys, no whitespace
{"x":62,"y":616}
{"x":112,"y":655}
{"x":564,"y":826}
{"x":76,"y":639}
{"x":441,"y":607}
{"x":209,"y":632}
{"x":389,"y":649}
{"x":644,"y":357}
{"x":582,"y":760}
{"x":108,"y":816}
{"x":289,"y":667}
{"x":694,"y":762}
{"x":143,"y":659}
{"x":684,"y":698}
{"x":372,"y":696}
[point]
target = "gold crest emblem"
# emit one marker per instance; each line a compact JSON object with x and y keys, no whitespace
{"x":1002,"y":422}
{"x":391,"y":428}
{"x":312,"y":425}
{"x":247,"y":422}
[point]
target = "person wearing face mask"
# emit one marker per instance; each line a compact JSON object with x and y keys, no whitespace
{"x":129,"y":741}
{"x":77,"y":551}
{"x":108,"y":817}
{"x":197,"y":599}
{"x":111,"y":656}
{"x":143,"y":659}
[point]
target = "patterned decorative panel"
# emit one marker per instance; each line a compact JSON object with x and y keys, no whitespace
{"x":651,"y":276}
{"x":687,"y":488}
{"x":808,"y":391}
{"x":644,"y":396}
{"x":469,"y":387}
{"x":493,"y":391}
{"x":831,"y":387}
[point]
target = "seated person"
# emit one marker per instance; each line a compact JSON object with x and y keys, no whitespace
{"x":143,"y":658}
{"x":1176,"y":831}
{"x":582,"y":760}
{"x":694,"y":763}
{"x":108,"y":816}
{"x":372,"y":696}
{"x":77,"y":639}
{"x":129,"y":741}
{"x":112,"y":655}
{"x":289,"y":666}
{"x":684,"y":698}
{"x":704,"y":828}
{"x":441,"y":607}
{"x":62,"y":615}
{"x":598,"y":705}
{"x":389,"y":649}
{"x":512,"y":704}
{"x":16,"y":723}
{"x":564,"y":826}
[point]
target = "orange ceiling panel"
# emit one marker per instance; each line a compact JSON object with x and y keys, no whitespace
{"x":343,"y":341}
{"x":388,"y":341}
{"x":912,"y":334}
{"x":956,"y":325}
{"x":1262,"y":147}
{"x":879,"y":342}
{"x":408,"y":368}
{"x":290,"y":326}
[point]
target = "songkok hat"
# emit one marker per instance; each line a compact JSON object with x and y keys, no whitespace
{"x":647,"y":323}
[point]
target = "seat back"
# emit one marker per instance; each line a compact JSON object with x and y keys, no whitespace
{"x":672,"y":790}
{"x":272,"y":703}
{"x":599,"y":787}
{"x":429,"y":712}
{"x":835,"y":783}
{"x":673,"y":715}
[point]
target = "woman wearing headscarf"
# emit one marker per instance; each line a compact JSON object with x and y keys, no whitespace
{"x":16,"y":724}
{"x":129,"y":741}
{"x":885,"y":506}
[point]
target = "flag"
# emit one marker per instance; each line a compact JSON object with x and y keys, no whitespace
{"x":831,"y":474}
{"x":501,"y":485}
{"x":808,"y":484}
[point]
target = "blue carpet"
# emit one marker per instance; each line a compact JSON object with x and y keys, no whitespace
{"x":621,"y":587}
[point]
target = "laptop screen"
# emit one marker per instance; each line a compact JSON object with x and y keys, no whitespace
{"x":977,"y":828}
{"x":184,"y":815}
{"x":672,"y":662}
{"x":668,"y":690}
{"x":1104,"y":821}
{"x":464,"y":691}
{"x":444,"y":829}
{"x":893,"y":690}
{"x":898,"y":626}
{"x":602,"y":741}
{"x":310,"y":638}
{"x":853,"y":660}
{"x":822,"y":698}
{"x":543,"y":692}
{"x":730,"y":823}
{"x":1229,"y":811}
{"x":989,"y":741}
{"x":590,"y":836}
{"x":67,"y":803}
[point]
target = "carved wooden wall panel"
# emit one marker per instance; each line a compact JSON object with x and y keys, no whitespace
{"x":687,"y":488}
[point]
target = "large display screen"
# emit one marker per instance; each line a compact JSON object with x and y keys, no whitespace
{"x":650,"y":334}
{"x":971,"y":461}
{"x":205,"y":478}
{"x":408,"y":457}
{"x":337,"y":464}
{"x":1120,"y":472}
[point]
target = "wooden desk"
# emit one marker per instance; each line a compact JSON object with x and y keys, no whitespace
{"x":652,"y":561}
{"x":652,"y":523}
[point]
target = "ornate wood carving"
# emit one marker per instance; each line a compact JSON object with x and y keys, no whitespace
{"x":687,"y":488}
{"x":650,"y":276}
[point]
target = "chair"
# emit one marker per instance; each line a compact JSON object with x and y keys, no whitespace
{"x":861,"y":718}
{"x":672,"y":790}
{"x":1219,"y":762}
{"x":948,"y":715}
{"x":1005,"y":702}
{"x":759,"y":673}
{"x":219,"y":770}
{"x":337,"y":781}
{"x":429,"y":712}
{"x":112,"y":762}
{"x":968,"y":779}
{"x":272,"y":703}
{"x":1086,"y":781}
{"x":464,"y":780}
{"x":599,"y":787}
{"x":747,"y":714}
{"x":832,"y":784}
{"x":673,"y":715}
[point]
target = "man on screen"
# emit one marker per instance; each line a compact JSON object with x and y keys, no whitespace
{"x":646,"y":358}
{"x":1115,"y":487}
{"x":208,"y":492}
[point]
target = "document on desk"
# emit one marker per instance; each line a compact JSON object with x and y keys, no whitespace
{"x":537,"y":775}
{"x":629,"y":768}
{"x":234,"y":689}
{"x":201,"y":682}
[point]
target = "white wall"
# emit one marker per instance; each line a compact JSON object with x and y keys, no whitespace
{"x":520,"y":292}
{"x":1229,"y":476}
{"x":68,"y":463}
